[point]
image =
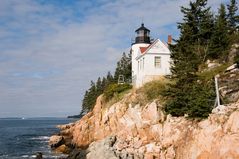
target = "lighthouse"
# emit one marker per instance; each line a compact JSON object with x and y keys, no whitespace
{"x":150,"y":60}
{"x":142,"y":40}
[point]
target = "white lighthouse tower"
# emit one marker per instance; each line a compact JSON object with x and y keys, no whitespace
{"x":142,"y":40}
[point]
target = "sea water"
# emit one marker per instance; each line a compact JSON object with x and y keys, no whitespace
{"x":23,"y":138}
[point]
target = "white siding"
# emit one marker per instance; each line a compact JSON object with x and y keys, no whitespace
{"x":135,"y":64}
{"x":149,"y":70}
{"x":143,"y":65}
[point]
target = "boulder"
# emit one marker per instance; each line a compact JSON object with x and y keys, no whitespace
{"x":77,"y":154}
{"x":234,"y":66}
{"x":212,"y":64}
{"x":56,"y":141}
{"x":153,"y":113}
{"x":102,"y":149}
{"x":38,"y":155}
{"x":63,"y":149}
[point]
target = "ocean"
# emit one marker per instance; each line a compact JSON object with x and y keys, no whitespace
{"x":23,"y":138}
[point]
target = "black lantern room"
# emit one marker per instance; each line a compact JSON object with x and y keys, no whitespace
{"x":142,"y":35}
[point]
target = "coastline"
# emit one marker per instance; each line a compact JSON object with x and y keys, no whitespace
{"x":126,"y":131}
{"x":24,"y":138}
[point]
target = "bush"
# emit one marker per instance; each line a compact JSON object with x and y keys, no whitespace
{"x":114,"y":89}
{"x":209,"y":74}
{"x":237,"y":60}
{"x":154,"y":89}
{"x":195,"y":99}
{"x":151,"y":91}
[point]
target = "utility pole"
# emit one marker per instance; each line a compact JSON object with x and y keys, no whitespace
{"x":217,"y":90}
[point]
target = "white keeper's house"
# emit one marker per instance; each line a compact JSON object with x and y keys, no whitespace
{"x":150,"y":59}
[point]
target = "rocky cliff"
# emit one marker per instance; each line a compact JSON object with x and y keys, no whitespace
{"x":134,"y":131}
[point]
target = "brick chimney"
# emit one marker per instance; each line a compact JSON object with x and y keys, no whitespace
{"x":170,"y":39}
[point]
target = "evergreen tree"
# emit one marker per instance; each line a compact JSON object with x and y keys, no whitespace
{"x":99,"y":88}
{"x":103,"y":83}
{"x":96,"y":89}
{"x":233,"y":18}
{"x":123,"y":67}
{"x":91,"y":97}
{"x":85,"y":102}
{"x":196,"y":28}
{"x":206,"y":31}
{"x":219,"y":43}
{"x":187,"y":56}
{"x":109,"y":78}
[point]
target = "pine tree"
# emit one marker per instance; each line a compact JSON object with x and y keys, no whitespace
{"x":109,"y":78}
{"x":196,"y":27}
{"x":85,"y":102}
{"x":99,"y":88}
{"x":187,"y":56}
{"x":219,"y":42}
{"x":206,"y":31}
{"x":91,"y":97}
{"x":96,"y":89}
{"x":123,"y":67}
{"x":103,"y":83}
{"x":233,"y":18}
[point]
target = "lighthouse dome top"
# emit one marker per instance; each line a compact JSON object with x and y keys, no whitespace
{"x":142,"y":27}
{"x":142,"y":35}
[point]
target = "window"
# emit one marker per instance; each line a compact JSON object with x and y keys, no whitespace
{"x":157,"y":61}
{"x":138,"y":66}
{"x":143,"y":63}
{"x":140,"y":33}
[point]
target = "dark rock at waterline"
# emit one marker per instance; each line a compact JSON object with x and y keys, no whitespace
{"x":56,"y":141}
{"x":77,"y":154}
{"x":38,"y":155}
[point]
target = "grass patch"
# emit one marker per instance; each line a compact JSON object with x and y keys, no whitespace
{"x":116,"y":98}
{"x":115,"y":92}
{"x":209,"y":74}
{"x":153,"y":90}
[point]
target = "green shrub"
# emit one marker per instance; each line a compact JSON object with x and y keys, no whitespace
{"x":114,"y":89}
{"x":195,"y":99}
{"x":237,"y":60}
{"x":209,"y":74}
{"x":151,"y":91}
{"x":154,"y":89}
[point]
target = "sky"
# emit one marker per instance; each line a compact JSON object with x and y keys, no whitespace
{"x":50,"y":50}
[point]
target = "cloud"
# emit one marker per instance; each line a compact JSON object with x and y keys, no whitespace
{"x":50,"y":50}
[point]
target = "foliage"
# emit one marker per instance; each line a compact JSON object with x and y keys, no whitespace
{"x":203,"y":36}
{"x":123,"y":68}
{"x":153,"y":90}
{"x":219,"y":43}
{"x":195,"y":99}
{"x":232,"y":17}
{"x":209,"y":74}
{"x":196,"y":29}
{"x":94,"y":91}
{"x":237,"y":60}
{"x":97,"y":88}
{"x":115,"y":89}
{"x":189,"y":52}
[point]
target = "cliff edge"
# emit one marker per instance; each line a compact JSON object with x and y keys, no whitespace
{"x":124,"y":130}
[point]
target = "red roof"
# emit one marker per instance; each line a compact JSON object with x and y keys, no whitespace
{"x":143,"y":49}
